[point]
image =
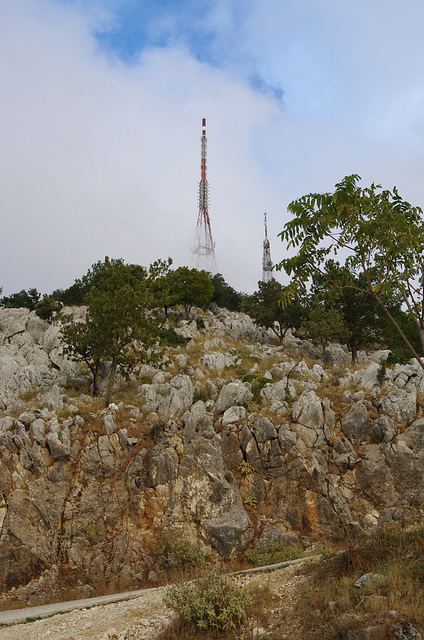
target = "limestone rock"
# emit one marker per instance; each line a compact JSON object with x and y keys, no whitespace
{"x":307,"y":410}
{"x":234,"y":393}
{"x":356,"y":422}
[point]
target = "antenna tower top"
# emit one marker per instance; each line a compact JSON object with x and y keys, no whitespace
{"x":266,"y":256}
{"x":204,"y":246}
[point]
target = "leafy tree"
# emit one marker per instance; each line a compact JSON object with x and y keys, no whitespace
{"x":190,"y":287}
{"x":76,"y":293}
{"x":265,"y":307}
{"x":159,"y":283}
{"x":381,"y":234}
{"x":118,"y":327}
{"x":366,"y":322}
{"x":23,"y":298}
{"x":323,"y":327}
{"x":224,"y":295}
{"x":48,"y":308}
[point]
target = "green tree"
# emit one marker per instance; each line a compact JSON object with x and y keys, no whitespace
{"x":159,"y":283}
{"x":224,"y":295}
{"x":265,"y":307}
{"x":23,"y":298}
{"x":48,"y":307}
{"x":190,"y":287}
{"x":323,"y":327}
{"x":119,"y":327}
{"x":77,"y":292}
{"x":364,"y":319}
{"x":381,"y":234}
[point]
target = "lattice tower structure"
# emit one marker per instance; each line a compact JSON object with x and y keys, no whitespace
{"x":204,"y":246}
{"x":266,"y":256}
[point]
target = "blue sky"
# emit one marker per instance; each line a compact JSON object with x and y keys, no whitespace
{"x":102,"y":102}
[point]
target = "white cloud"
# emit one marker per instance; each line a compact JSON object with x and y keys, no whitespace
{"x":102,"y":158}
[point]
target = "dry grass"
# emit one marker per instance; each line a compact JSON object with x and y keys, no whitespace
{"x":331,"y":600}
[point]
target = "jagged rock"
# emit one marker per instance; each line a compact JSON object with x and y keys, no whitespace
{"x":233,"y":414}
{"x":263,"y":429}
{"x":356,"y":422}
{"x":53,"y":399}
{"x":59,"y":445}
{"x":307,"y":410}
{"x":278,"y":391}
{"x":382,"y":430}
{"x":218,"y":361}
{"x":234,"y":393}
{"x":400,"y":405}
{"x":274,"y":534}
{"x":336,"y":356}
{"x":367,"y":377}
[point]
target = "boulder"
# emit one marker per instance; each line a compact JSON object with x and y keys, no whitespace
{"x":308,"y":411}
{"x":356,"y":423}
{"x":233,"y":393}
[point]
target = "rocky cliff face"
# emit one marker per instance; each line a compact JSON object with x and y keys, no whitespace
{"x":198,"y":451}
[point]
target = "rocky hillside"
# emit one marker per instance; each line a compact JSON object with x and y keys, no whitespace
{"x":236,"y":441}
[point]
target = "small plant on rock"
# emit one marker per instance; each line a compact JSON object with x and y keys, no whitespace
{"x":250,"y":501}
{"x":245,"y":468}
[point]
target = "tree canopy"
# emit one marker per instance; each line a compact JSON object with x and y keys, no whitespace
{"x":24,"y":298}
{"x":190,"y":287}
{"x":265,"y":307}
{"x":119,"y":327}
{"x":381,"y":234}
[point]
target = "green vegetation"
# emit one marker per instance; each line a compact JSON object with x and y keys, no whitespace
{"x":211,"y":603}
{"x":323,"y":327}
{"x":179,"y":552}
{"x":383,"y":236}
{"x":265,"y":307}
{"x":273,"y":553}
{"x":190,"y":287}
{"x":224,"y":295}
{"x":118,"y":327}
{"x":26,"y":299}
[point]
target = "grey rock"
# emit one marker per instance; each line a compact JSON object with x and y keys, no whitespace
{"x":307,"y":410}
{"x":356,"y":422}
{"x":233,"y":414}
{"x":234,"y":393}
{"x":59,"y":445}
{"x":400,"y":406}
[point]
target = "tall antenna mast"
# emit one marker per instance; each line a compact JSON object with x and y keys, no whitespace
{"x":266,"y":256}
{"x":204,"y":246}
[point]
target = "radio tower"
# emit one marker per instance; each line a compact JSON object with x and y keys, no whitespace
{"x":204,"y":246}
{"x":266,"y":256}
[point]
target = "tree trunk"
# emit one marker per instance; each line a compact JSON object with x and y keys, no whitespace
{"x":111,"y":382}
{"x":354,"y":351}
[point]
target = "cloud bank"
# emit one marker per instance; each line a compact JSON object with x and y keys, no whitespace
{"x":100,"y":125}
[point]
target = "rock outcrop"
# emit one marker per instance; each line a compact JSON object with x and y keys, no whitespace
{"x":92,"y":491}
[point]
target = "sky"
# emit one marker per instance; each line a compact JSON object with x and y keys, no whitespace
{"x":101,"y":110}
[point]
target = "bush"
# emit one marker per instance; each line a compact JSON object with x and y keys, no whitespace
{"x":211,"y":603}
{"x":168,"y":336}
{"x":273,"y":553}
{"x":257,"y":381}
{"x":179,"y":552}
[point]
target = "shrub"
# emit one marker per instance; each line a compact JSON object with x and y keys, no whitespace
{"x":211,"y":603}
{"x":169,"y":337}
{"x":257,"y":381}
{"x":273,"y":553}
{"x":179,"y":552}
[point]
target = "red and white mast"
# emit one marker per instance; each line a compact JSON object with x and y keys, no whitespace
{"x":204,"y":246}
{"x":266,"y":256}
